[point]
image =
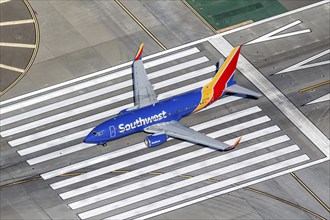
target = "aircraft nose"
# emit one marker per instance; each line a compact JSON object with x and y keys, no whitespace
{"x":88,"y":139}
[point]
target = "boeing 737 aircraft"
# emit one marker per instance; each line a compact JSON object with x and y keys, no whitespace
{"x":161,"y":118}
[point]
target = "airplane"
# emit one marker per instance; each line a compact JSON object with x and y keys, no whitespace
{"x":161,"y":118}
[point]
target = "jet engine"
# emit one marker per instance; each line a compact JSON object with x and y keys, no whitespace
{"x":155,"y":140}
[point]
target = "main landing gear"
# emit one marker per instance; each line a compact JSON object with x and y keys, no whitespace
{"x":104,"y":144}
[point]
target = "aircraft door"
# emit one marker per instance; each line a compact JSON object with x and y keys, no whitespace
{"x":112,"y":131}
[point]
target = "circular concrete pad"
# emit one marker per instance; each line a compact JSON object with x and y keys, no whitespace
{"x":19,"y":41}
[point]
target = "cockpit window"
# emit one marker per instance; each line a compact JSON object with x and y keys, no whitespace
{"x":100,"y":133}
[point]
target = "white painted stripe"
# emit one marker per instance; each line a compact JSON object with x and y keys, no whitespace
{"x":277,"y":97}
{"x":4,"y":1}
{"x":98,"y":92}
{"x":136,"y":147}
{"x":104,"y":102}
{"x":77,"y":87}
{"x":7,"y":23}
{"x":162,"y":211}
{"x":99,"y":116}
{"x":83,"y":133}
{"x":303,"y":65}
{"x":177,"y":172}
{"x":12,"y":68}
{"x":321,"y":99}
{"x":7,"y":44}
{"x":205,"y":189}
{"x":96,"y":117}
{"x":187,"y":182}
{"x":270,"y":35}
{"x":145,"y":157}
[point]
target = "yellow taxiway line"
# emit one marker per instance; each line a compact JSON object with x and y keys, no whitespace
{"x":12,"y":68}
{"x":7,"y":23}
{"x":314,"y":86}
{"x":310,"y":191}
{"x":285,"y":201}
{"x":140,"y":24}
{"x":5,"y":44}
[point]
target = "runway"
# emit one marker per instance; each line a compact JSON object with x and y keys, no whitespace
{"x":46,"y":128}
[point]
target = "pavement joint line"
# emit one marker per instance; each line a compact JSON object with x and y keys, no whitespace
{"x":8,"y":23}
{"x":12,"y":68}
{"x":283,"y":201}
{"x":140,"y":24}
{"x":314,"y":86}
{"x":310,"y":191}
{"x":35,"y":51}
{"x":200,"y":16}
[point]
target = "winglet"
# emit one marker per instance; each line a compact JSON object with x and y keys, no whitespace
{"x":234,"y":145}
{"x":139,"y":53}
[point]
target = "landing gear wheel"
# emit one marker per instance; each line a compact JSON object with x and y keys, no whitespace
{"x":104,"y":145}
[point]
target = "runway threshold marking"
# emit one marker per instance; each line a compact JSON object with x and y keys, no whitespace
{"x":310,"y":191}
{"x":284,"y":201}
{"x":272,"y":35}
{"x":276,"y":97}
{"x":182,"y":172}
{"x":86,"y":84}
{"x":12,"y":68}
{"x":8,"y":23}
{"x":206,"y":189}
{"x":187,"y":182}
{"x":140,"y":24}
{"x":314,"y":86}
{"x":199,"y":16}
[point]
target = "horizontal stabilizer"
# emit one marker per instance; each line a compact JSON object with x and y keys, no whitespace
{"x":241,"y":90}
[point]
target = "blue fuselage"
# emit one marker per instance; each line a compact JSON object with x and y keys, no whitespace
{"x":131,"y":121}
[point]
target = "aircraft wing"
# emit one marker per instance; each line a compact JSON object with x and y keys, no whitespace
{"x":144,"y":93}
{"x":177,"y":130}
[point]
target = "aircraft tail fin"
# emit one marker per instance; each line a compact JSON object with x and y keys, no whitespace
{"x":139,"y":53}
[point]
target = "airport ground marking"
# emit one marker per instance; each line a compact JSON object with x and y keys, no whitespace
{"x":272,"y":35}
{"x":160,"y":152}
{"x":310,"y":191}
{"x":4,"y":1}
{"x":107,"y":89}
{"x":12,"y":68}
{"x":17,"y":22}
{"x":182,"y":172}
{"x":303,"y":64}
{"x":199,"y":16}
{"x":19,"y":45}
{"x":314,"y":86}
{"x":190,"y":181}
{"x":140,"y":24}
{"x":323,"y":98}
{"x":207,"y":189}
{"x":276,"y":97}
{"x":95,"y":81}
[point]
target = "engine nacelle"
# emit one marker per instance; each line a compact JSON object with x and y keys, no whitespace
{"x":155,"y":140}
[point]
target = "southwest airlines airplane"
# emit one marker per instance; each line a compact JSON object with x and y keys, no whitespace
{"x":161,"y":118}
